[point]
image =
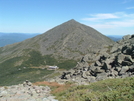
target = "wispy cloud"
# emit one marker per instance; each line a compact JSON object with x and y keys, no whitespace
{"x":115,"y":20}
{"x":96,"y":17}
{"x":114,"y":24}
{"x":126,"y":1}
{"x":130,"y":8}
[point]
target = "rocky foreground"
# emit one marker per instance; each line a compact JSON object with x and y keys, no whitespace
{"x":114,"y":61}
{"x":26,"y":92}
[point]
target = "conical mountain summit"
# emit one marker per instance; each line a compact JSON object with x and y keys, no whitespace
{"x":69,"y":40}
{"x":73,"y":39}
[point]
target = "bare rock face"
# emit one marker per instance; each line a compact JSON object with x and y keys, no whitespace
{"x":114,"y":61}
{"x":26,"y":92}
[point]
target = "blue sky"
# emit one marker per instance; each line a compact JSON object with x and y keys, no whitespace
{"x":110,"y":17}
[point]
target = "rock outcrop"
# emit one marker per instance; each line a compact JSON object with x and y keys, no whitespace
{"x":26,"y":92}
{"x":114,"y":61}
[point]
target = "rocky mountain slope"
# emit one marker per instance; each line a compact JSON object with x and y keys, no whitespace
{"x":69,"y":40}
{"x":115,"y":61}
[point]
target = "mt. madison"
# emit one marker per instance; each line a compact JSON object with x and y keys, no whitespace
{"x":63,"y":44}
{"x":69,"y":40}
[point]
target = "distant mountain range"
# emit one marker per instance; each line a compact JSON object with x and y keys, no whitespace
{"x":115,"y":37}
{"x":10,"y":38}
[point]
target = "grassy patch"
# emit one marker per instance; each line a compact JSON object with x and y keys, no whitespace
{"x":35,"y":59}
{"x":18,"y":69}
{"x":107,"y":90}
{"x":68,"y":64}
{"x":11,"y":74}
{"x":17,"y":76}
{"x":50,"y":60}
{"x":53,"y":75}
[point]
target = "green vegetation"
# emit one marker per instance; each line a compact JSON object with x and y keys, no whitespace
{"x":107,"y":90}
{"x":6,"y":66}
{"x":35,"y":59}
{"x":10,"y":73}
{"x":20,"y":75}
{"x":68,"y":64}
{"x":53,"y":75}
{"x":50,"y":60}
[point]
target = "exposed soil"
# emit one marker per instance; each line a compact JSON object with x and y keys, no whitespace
{"x":55,"y":87}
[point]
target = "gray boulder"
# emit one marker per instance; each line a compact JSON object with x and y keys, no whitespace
{"x":132,"y":41}
{"x":3,"y":93}
{"x":85,"y":64}
{"x":115,"y":48}
{"x":91,"y":79}
{"x":126,"y":63}
{"x":97,"y":63}
{"x":131,"y":69}
{"x":120,"y":58}
{"x":98,"y":70}
{"x":124,"y":69}
{"x":126,"y":37}
{"x":129,"y":58}
{"x":101,"y":76}
{"x":105,"y":66}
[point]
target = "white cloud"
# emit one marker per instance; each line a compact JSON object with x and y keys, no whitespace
{"x":100,"y":16}
{"x":114,"y":24}
{"x":127,"y":23}
{"x":130,"y":8}
{"x":111,"y":20}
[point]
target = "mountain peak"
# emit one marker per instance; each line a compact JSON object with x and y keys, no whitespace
{"x":72,"y":21}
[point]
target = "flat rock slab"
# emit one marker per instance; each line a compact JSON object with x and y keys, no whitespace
{"x":26,"y":92}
